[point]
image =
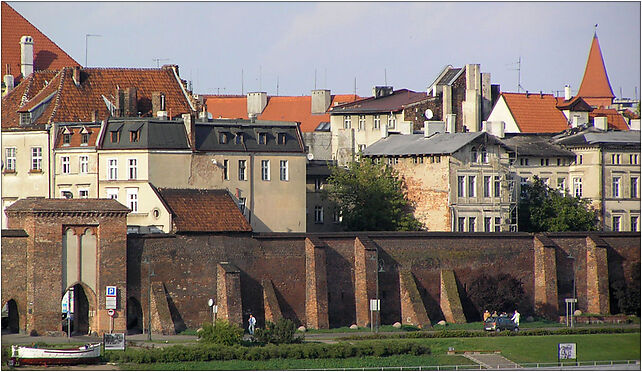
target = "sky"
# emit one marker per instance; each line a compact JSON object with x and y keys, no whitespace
{"x":241,"y":47}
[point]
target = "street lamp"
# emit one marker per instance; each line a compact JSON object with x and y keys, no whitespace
{"x":574,"y":299}
{"x":380,"y":269}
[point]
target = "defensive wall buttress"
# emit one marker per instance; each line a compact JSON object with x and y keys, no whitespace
{"x":317,"y":280}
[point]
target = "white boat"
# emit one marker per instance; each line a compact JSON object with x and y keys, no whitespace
{"x":85,"y":354}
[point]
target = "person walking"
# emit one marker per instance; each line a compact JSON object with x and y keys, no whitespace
{"x":515,"y":318}
{"x":486,"y":315}
{"x":252,"y":323}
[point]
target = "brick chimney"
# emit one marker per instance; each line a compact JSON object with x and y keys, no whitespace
{"x":159,"y":105}
{"x":26,"y":55}
{"x":131,"y":102}
{"x":120,"y":103}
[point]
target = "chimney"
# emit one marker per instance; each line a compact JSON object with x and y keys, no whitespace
{"x":120,"y":103}
{"x":203,"y":114}
{"x":320,"y":101}
{"x":601,"y":123}
{"x":450,"y":123}
{"x":131,"y":102}
{"x":26,"y":56}
{"x":382,"y":91}
{"x":189,"y":120}
{"x":256,"y":102}
{"x":567,"y":92}
{"x":8,"y":83}
{"x":76,"y":75}
{"x":159,"y":105}
{"x":94,"y":116}
{"x":432,"y":127}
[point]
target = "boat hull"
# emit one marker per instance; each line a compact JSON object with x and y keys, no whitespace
{"x":87,"y":354}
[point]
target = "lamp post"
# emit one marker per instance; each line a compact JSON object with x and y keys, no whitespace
{"x":380,"y":269}
{"x":574,"y":300}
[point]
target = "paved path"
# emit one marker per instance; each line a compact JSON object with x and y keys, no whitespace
{"x":492,"y":361}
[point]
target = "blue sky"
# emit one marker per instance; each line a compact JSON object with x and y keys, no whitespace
{"x":405,"y":44}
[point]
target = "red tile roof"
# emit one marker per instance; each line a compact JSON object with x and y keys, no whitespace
{"x":76,"y":103}
{"x":595,"y":87}
{"x":280,"y":108}
{"x":614,"y":119}
{"x":535,"y":113}
{"x":47,"y":55}
{"x":75,"y":138}
{"x":204,"y":211}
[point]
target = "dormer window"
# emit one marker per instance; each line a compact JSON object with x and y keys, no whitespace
{"x":84,"y":138}
{"x":262,"y":138}
{"x":66,"y":139}
{"x":25,"y":118}
{"x":222,"y":138}
{"x":239,"y":139}
{"x":134,"y":136}
{"x":115,"y":135}
{"x":282,"y":138}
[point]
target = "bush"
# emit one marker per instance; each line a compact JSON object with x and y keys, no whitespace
{"x":222,"y":332}
{"x":280,"y":333}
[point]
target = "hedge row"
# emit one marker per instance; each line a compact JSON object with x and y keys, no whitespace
{"x":204,"y":353}
{"x":465,"y":333}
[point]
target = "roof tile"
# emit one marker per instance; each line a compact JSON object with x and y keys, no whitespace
{"x":535,"y":113}
{"x":595,"y":83}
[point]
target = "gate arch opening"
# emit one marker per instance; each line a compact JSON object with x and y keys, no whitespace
{"x":134,"y":316}
{"x":81,"y":302}
{"x":10,"y":317}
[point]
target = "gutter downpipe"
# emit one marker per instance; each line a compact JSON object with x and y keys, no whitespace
{"x":603,"y":188}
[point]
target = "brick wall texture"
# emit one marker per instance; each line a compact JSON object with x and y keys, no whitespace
{"x":317,"y":279}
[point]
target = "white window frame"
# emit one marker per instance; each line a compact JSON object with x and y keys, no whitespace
{"x":112,"y":169}
{"x":362,"y":122}
{"x":634,"y":185}
{"x":318,"y":214}
{"x":83,"y":164}
{"x":80,"y":193}
{"x":577,"y":186}
{"x":392,"y":121}
{"x":36,"y":158}
{"x":65,"y":192}
{"x":112,"y":192}
{"x":497,"y":224}
{"x":284,"y":172}
{"x":487,"y":187}
{"x":265,"y":170}
{"x":637,"y":223}
{"x":376,"y":121}
{"x":242,"y":170}
{"x":497,"y":186}
{"x":242,"y":202}
{"x":615,"y":186}
{"x":461,"y":186}
{"x":132,"y":168}
{"x":347,"y":121}
{"x":65,"y":165}
{"x":472,"y":192}
{"x":132,"y":199}
{"x":561,"y":185}
{"x":619,"y":223}
{"x":10,"y":158}
{"x":472,"y":224}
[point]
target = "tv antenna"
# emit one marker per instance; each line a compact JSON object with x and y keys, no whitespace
{"x":87,"y":36}
{"x":518,"y":65}
{"x":158,"y":61}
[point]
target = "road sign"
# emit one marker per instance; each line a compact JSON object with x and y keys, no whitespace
{"x":110,"y":303}
{"x":567,"y":351}
{"x":111,"y":312}
{"x":111,"y":291}
{"x":215,"y":309}
{"x":374,"y":305}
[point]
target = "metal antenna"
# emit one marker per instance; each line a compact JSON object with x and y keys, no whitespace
{"x":158,"y":61}
{"x":277,"y":85}
{"x":385,"y":77}
{"x":519,"y":73}
{"x":242,"y":90}
{"x":87,"y":36}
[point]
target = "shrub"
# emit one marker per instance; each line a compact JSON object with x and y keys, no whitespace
{"x":222,"y":332}
{"x":280,"y":333}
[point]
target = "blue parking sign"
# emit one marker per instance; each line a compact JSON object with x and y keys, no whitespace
{"x":111,"y":291}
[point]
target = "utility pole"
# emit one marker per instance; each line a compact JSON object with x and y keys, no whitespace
{"x":87,"y":36}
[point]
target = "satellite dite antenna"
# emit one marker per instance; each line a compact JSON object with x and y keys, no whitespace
{"x":428,"y":114}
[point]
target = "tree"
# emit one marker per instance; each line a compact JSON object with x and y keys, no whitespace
{"x":370,"y":197}
{"x":497,"y":293}
{"x":542,"y":208}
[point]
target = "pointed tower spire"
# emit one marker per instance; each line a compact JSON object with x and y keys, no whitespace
{"x":595,"y":88}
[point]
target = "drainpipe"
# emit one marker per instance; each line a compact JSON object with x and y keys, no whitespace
{"x":603,"y":188}
{"x":251,"y":188}
{"x":51,"y":167}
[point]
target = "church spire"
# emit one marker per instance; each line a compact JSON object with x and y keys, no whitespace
{"x":595,"y":88}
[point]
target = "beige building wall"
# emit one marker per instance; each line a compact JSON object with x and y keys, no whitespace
{"x":24,"y":182}
{"x":75,"y":180}
{"x":622,"y":197}
{"x":501,"y":112}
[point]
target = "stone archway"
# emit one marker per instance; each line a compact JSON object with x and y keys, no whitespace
{"x":10,"y":319}
{"x":84,"y":309}
{"x":134,"y":316}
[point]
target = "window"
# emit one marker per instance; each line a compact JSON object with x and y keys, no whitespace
{"x":395,"y":160}
{"x":471,"y":186}
{"x":473,"y":155}
{"x":242,"y":205}
{"x":460,"y":186}
{"x":283,"y":170}
{"x":83,"y":193}
{"x":461,"y":224}
{"x":615,"y":159}
{"x":318,"y":214}
{"x":486,"y":186}
{"x":318,"y":183}
{"x":134,"y":135}
{"x":115,"y":136}
{"x":421,"y":159}
{"x":578,"y":159}
{"x":498,"y":186}
{"x":362,"y":122}
{"x":66,"y":194}
{"x":523,"y":161}
{"x":239,"y":139}
{"x":376,"y":122}
{"x":265,"y":170}
{"x":616,"y":187}
{"x":392,"y":121}
{"x":84,"y":138}
{"x":132,"y":169}
{"x":487,"y":224}
{"x":634,"y":158}
{"x":282,"y":138}
{"x":83,"y":165}
{"x":498,"y":224}
{"x":112,"y":192}
{"x":64,"y":164}
{"x":577,"y":186}
{"x":222,"y":138}
{"x":336,"y":216}
{"x":543,"y":162}
{"x":544,"y":180}
{"x":616,"y":223}
{"x":634,"y":187}
{"x":66,"y":139}
{"x":242,"y":171}
{"x":484,"y":156}
{"x":36,"y":158}
{"x":471,"y":224}
{"x":347,"y":122}
{"x":561,"y":184}
{"x":132,"y":199}
{"x":362,"y":148}
{"x":10,"y":159}
{"x":112,"y":169}
{"x":226,"y":169}
{"x":25,"y":118}
{"x":262,"y":138}
{"x":634,"y":223}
